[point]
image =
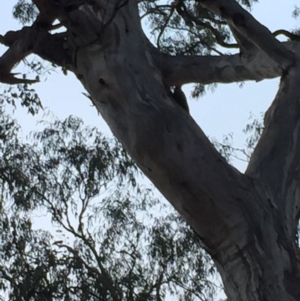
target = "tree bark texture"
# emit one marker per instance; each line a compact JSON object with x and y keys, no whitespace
{"x":247,"y":222}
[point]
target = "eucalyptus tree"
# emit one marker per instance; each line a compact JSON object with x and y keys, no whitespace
{"x":246,"y":221}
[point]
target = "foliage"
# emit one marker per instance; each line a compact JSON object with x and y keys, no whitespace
{"x":24,"y":94}
{"x":24,"y":11}
{"x":113,"y":240}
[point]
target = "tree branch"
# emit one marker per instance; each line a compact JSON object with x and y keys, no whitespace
{"x":20,"y":45}
{"x":257,"y":65}
{"x":189,"y":18}
{"x":251,"y":29}
{"x":52,"y":47}
{"x":275,"y":160}
{"x":30,"y":40}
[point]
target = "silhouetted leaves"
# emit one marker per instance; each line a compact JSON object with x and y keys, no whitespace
{"x":114,"y":239}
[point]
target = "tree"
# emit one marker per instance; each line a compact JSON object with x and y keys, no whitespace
{"x":247,"y":222}
{"x":110,"y":244}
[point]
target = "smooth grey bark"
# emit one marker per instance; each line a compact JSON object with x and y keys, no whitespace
{"x":246,"y":221}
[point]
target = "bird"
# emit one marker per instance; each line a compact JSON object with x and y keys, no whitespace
{"x":180,"y":98}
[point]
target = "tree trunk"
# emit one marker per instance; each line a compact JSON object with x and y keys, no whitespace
{"x":247,"y":222}
{"x":236,"y":216}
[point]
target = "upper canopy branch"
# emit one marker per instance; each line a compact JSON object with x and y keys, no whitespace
{"x":24,"y":42}
{"x":20,"y":45}
{"x":251,"y":29}
{"x":180,"y":69}
{"x":189,"y":19}
{"x":27,"y":41}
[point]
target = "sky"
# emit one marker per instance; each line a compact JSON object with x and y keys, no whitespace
{"x":226,"y":110}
